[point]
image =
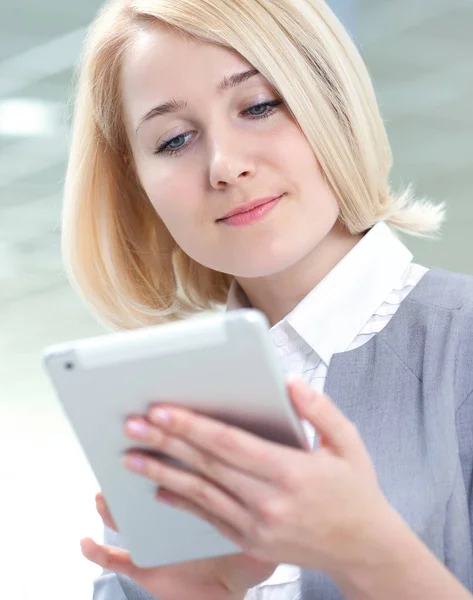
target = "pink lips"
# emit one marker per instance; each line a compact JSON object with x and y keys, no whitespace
{"x":251,"y":212}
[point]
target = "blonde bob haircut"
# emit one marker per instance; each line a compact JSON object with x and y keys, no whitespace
{"x":117,"y":252}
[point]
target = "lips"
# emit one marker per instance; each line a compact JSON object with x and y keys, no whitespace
{"x":250,"y":212}
{"x":248,"y":206}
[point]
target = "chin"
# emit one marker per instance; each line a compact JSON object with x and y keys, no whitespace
{"x":264,"y":266}
{"x":264,"y":257}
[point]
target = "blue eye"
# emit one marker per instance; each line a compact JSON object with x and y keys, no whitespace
{"x":263,"y":111}
{"x":176,"y":139}
{"x":268,"y":109}
{"x":172,"y":146}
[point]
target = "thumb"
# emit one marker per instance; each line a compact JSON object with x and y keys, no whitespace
{"x":337,"y":432}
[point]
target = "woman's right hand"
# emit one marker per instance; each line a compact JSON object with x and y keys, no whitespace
{"x":222,"y":578}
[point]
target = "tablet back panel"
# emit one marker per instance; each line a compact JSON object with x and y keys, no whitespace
{"x":222,"y":365}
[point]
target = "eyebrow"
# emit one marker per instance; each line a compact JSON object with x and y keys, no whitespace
{"x":227,"y":83}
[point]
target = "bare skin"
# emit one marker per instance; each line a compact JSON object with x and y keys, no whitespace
{"x":258,"y":494}
{"x":224,"y":578}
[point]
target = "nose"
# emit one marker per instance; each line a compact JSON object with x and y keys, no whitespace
{"x":230,"y":162}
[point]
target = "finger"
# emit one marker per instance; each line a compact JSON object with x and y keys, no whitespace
{"x":109,"y":557}
{"x":212,"y":467}
{"x":336,"y":430}
{"x":225,"y":529}
{"x":238,"y":448}
{"x":194,"y":489}
{"x":103,"y":510}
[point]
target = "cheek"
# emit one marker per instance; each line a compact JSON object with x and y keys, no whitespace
{"x":296,"y":157}
{"x":173,"y":198}
{"x":309,"y":172}
{"x":179,"y":202}
{"x":319,"y":206}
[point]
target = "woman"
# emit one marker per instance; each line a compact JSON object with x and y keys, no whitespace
{"x":232,"y":151}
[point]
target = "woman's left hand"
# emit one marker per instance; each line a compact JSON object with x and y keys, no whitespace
{"x":320,"y":509}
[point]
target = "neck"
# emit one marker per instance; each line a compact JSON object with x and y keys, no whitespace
{"x":277,"y":294}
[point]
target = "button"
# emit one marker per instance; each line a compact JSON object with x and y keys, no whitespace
{"x":280,"y":337}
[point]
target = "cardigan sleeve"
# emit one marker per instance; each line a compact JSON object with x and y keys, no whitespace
{"x":464,"y":422}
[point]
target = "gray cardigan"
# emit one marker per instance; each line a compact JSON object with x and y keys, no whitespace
{"x":410,"y":392}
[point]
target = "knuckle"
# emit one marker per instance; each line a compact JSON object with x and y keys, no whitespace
{"x":272,"y":512}
{"x":161,"y":440}
{"x":154,"y":470}
{"x":250,"y":546}
{"x":181,"y":424}
{"x":286,"y":479}
{"x":199,"y":494}
{"x":224,"y":437}
{"x":206,"y":463}
{"x":108,"y":561}
{"x":260,"y":537}
{"x":263,"y":455}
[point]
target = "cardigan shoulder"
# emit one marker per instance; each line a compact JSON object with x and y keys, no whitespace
{"x":445,"y":290}
{"x":435,"y":323}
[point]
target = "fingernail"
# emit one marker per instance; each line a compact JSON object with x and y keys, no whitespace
{"x":305,"y":393}
{"x":138,"y":428}
{"x":135,"y":463}
{"x":293,"y":378}
{"x":161,"y":415}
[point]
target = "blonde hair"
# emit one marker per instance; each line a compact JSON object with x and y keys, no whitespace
{"x":117,"y":251}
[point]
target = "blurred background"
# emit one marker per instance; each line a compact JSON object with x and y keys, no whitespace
{"x":420,"y":54}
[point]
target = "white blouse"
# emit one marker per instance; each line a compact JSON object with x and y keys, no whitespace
{"x":347,"y":308}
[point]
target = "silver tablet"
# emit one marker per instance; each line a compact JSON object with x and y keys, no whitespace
{"x":222,"y":365}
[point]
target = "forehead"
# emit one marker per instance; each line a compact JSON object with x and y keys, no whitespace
{"x":161,"y":64}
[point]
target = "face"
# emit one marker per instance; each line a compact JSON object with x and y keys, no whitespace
{"x":204,"y":149}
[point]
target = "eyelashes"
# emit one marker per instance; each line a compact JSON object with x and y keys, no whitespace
{"x":172,"y":147}
{"x":168,"y":148}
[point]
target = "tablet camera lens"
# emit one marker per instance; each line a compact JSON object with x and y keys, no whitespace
{"x":69,"y":366}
